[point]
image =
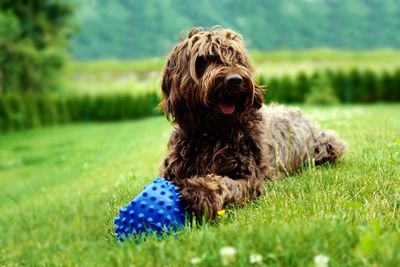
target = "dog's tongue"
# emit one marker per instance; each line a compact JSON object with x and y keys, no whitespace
{"x":227,"y":108}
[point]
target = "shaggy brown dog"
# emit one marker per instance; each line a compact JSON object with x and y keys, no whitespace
{"x":226,"y":143}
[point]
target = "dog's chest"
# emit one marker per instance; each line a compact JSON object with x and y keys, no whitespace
{"x":234,"y":157}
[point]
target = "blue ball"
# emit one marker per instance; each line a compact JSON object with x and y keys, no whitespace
{"x":156,"y":209}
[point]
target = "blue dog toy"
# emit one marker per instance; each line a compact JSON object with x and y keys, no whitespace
{"x":156,"y":209}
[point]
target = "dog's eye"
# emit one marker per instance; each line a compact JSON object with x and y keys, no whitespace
{"x":201,"y":65}
{"x":203,"y":62}
{"x":214,"y":59}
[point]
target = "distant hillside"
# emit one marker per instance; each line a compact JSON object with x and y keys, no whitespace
{"x":137,"y":29}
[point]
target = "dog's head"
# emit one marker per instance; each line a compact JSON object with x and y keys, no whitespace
{"x":208,"y":74}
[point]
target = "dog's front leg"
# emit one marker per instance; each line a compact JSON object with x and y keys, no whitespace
{"x":205,"y":196}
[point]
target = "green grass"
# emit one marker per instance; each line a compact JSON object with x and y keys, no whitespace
{"x":60,"y":188}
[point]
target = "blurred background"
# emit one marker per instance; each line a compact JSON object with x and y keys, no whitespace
{"x":100,"y":60}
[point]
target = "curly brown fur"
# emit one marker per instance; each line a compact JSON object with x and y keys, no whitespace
{"x":226,"y":143}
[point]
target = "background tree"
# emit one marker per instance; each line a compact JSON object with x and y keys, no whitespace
{"x":33,"y":38}
{"x":139,"y":29}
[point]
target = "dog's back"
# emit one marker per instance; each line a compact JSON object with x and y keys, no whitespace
{"x":296,"y":140}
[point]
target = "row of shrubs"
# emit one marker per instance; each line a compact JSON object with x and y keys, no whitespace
{"x":28,"y":110}
{"x":24,"y":111}
{"x":329,"y":87}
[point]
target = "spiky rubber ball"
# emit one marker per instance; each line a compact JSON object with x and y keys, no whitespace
{"x":156,"y":209}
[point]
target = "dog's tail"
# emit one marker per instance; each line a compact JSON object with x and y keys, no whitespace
{"x":328,"y":148}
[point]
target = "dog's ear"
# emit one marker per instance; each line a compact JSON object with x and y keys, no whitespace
{"x":162,"y":106}
{"x":173,"y":103}
{"x":166,"y":104}
{"x":258,"y":98}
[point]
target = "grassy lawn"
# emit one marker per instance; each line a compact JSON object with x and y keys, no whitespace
{"x":60,"y":188}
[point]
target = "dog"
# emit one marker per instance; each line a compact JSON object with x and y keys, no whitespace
{"x":226,"y":143}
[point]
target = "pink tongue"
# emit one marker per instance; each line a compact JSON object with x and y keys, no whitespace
{"x":227,"y":108}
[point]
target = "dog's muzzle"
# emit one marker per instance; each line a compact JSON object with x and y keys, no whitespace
{"x":229,"y":96}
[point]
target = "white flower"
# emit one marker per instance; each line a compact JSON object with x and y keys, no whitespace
{"x":321,"y":261}
{"x":195,"y":260}
{"x":228,"y":255}
{"x":255,"y":258}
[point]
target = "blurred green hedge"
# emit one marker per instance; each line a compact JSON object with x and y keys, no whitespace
{"x":20,"y":111}
{"x":330,"y":86}
{"x":27,"y":110}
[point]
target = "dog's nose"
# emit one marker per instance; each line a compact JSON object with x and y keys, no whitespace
{"x":233,"y":79}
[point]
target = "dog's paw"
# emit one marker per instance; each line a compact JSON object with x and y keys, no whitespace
{"x":202,"y":196}
{"x":328,"y":148}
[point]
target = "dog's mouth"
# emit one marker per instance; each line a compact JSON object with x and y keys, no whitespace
{"x":227,"y":107}
{"x":231,"y":104}
{"x":230,"y":100}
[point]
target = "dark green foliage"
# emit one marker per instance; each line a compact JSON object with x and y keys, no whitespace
{"x":355,"y":85}
{"x":396,"y":85}
{"x":28,"y":110}
{"x":333,"y":86}
{"x":340,"y":85}
{"x":287,"y":85}
{"x":138,"y":29}
{"x":303,"y":84}
{"x":33,"y":35}
{"x":271,"y":88}
{"x":273,"y":91}
{"x":321,"y":92}
{"x":368,"y":87}
{"x":393,"y":85}
{"x":23,"y":111}
{"x":384,"y":85}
